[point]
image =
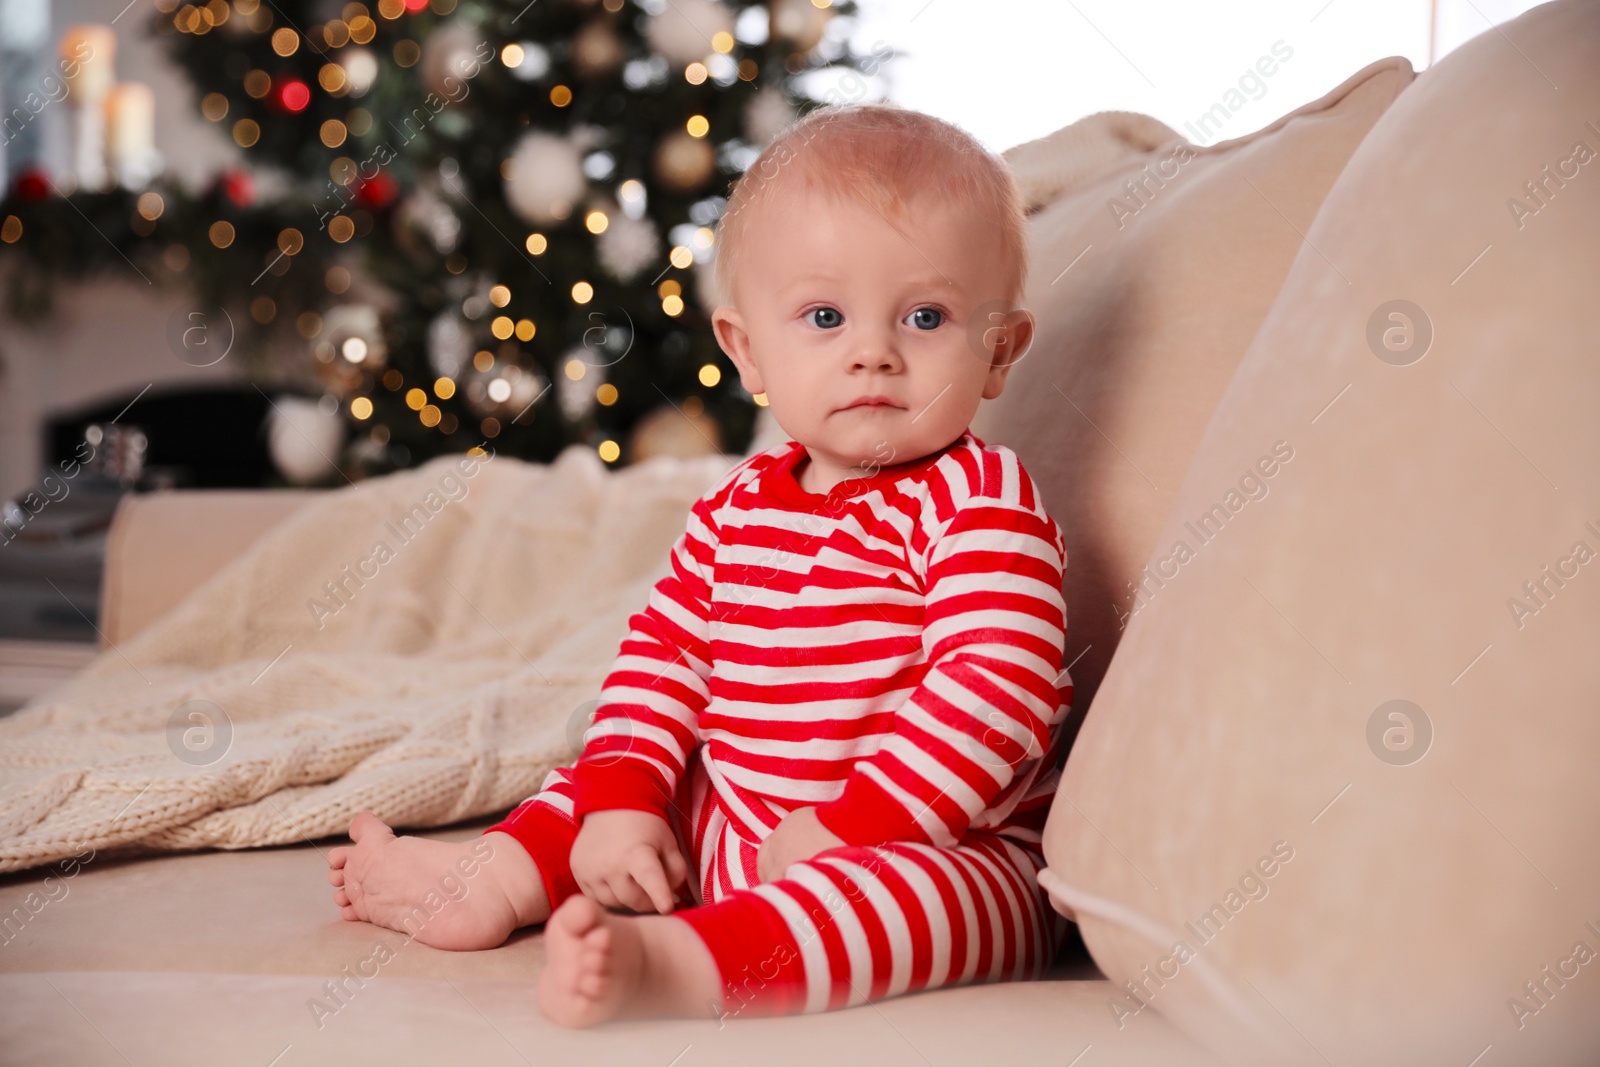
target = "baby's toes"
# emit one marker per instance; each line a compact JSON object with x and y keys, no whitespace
{"x":353,"y":899}
{"x":596,"y":949}
{"x":336,"y":876}
{"x":591,"y":984}
{"x":594,"y":962}
{"x":598,"y":936}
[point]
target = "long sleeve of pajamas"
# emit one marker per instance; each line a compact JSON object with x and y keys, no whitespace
{"x":889,"y":653}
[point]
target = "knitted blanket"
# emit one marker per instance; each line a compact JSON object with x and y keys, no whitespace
{"x":427,"y":644}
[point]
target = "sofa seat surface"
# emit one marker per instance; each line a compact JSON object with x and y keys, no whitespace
{"x":221,"y":958}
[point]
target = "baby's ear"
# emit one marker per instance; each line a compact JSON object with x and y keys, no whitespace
{"x":1019,"y":335}
{"x":725,"y":323}
{"x":1013,"y":340}
{"x":1017,"y":339}
{"x":728,"y":326}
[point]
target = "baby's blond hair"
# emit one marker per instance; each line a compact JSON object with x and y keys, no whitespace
{"x":883,"y":156}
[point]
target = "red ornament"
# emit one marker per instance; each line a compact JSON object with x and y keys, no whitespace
{"x":413,"y":6}
{"x":294,"y":95}
{"x":31,"y":184}
{"x":376,"y":192}
{"x":238,"y":186}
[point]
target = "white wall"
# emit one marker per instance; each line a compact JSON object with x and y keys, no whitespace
{"x":1010,"y":71}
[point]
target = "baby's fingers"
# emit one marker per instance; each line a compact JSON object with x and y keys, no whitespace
{"x":645,"y":866}
{"x":625,"y":893}
{"x":765,"y":861}
{"x":677,"y":868}
{"x":600,"y":892}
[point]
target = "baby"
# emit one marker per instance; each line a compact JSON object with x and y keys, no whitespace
{"x":823,"y":757}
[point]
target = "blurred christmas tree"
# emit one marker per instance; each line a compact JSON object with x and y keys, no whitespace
{"x":531,"y":185}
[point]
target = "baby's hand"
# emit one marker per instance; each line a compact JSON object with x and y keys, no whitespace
{"x":798,"y":837}
{"x":624,"y":858}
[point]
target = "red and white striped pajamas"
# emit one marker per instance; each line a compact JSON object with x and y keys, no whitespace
{"x":888,"y":653}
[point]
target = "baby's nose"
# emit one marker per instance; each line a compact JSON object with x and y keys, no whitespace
{"x":877,"y":355}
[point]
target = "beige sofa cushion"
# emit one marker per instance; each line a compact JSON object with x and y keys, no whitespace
{"x":1366,"y":881}
{"x":219,"y":959}
{"x":1145,"y":305}
{"x":161,"y":546}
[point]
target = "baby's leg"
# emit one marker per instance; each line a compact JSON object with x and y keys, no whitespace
{"x":515,"y":875}
{"x":851,"y":925}
{"x":603,"y":965}
{"x":856,"y":924}
{"x":451,"y":895}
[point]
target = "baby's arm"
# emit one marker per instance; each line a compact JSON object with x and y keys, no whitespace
{"x":646,"y":726}
{"x":648,"y":720}
{"x":994,"y":632}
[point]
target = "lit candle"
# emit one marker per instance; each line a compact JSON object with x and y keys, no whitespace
{"x":88,"y":55}
{"x":130,"y":126}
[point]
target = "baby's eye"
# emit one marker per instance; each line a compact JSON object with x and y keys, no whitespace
{"x":827,"y":318}
{"x":925,"y":318}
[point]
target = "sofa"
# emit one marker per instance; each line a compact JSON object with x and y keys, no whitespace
{"x":240,"y":957}
{"x":1323,"y":553}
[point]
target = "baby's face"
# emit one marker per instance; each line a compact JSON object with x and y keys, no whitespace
{"x":833,"y":304}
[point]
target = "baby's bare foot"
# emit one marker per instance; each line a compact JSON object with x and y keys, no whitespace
{"x":601,"y":966}
{"x":466,"y":895}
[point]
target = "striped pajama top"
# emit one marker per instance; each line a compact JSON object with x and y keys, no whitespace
{"x":889,"y":652}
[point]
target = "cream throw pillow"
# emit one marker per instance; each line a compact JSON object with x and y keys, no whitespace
{"x":1339,"y":785}
{"x":1146,"y":302}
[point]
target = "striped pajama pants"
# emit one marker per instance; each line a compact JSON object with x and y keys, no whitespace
{"x":849,"y":926}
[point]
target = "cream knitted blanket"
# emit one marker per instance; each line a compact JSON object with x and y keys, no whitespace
{"x":434,"y":679}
